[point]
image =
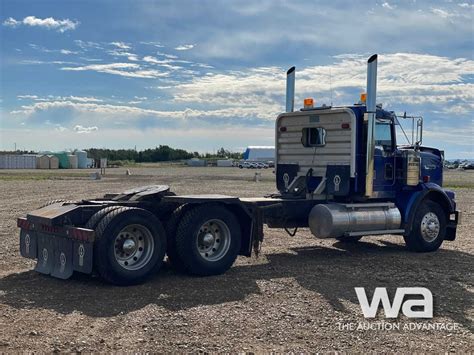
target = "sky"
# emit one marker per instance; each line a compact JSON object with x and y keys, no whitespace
{"x":201,"y":75}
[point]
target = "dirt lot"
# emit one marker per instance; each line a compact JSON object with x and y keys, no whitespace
{"x":294,"y":297}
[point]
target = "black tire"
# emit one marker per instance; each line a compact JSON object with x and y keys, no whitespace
{"x":96,"y":217}
{"x":171,"y":226}
{"x":188,"y":235}
{"x":421,"y":239}
{"x":111,"y":227}
{"x":349,"y":239}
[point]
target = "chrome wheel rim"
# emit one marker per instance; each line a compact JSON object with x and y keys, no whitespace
{"x":430,"y":227}
{"x":133,"y":247}
{"x":213,"y":240}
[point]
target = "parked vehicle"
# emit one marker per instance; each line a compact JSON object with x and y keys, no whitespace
{"x":261,"y":165}
{"x":339,"y":171}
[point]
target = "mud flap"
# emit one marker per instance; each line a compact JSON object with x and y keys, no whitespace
{"x":28,"y":245}
{"x":54,"y":256}
{"x":82,"y":257}
{"x":62,"y":266}
{"x":45,"y":254}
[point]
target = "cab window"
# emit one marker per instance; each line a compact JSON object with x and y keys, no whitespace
{"x":383,"y":135}
{"x":314,"y":137}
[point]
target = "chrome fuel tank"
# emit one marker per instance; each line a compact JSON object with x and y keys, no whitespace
{"x":336,"y":220}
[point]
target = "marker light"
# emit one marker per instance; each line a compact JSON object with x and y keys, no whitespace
{"x":308,"y":103}
{"x":363,"y":97}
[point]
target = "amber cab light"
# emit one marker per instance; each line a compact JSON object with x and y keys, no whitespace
{"x":308,"y":103}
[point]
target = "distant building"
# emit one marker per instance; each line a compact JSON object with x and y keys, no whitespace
{"x":225,"y":162}
{"x":259,"y":153}
{"x":196,"y":162}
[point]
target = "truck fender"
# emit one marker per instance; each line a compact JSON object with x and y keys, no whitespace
{"x":431,"y":192}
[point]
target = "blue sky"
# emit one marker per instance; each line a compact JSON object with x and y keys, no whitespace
{"x":204,"y":74}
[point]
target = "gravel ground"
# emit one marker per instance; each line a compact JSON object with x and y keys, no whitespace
{"x":295,"y":297}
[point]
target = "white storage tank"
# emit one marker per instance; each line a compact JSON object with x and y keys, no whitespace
{"x":53,"y":162}
{"x":72,"y":161}
{"x":81,"y":159}
{"x":225,"y":162}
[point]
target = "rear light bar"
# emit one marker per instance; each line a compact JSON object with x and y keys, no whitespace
{"x":76,"y":233}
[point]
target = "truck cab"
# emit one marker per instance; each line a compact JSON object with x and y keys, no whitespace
{"x":349,"y":159}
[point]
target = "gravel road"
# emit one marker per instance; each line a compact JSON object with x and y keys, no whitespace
{"x":298,"y":295}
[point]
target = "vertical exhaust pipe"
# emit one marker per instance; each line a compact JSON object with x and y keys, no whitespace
{"x":371,"y":107}
{"x":290,"y":89}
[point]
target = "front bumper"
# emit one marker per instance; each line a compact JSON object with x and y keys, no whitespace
{"x":59,"y":250}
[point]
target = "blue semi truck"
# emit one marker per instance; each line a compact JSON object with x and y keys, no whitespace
{"x":339,"y":171}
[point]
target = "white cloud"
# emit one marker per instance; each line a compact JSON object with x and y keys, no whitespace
{"x":443,"y":13}
{"x":60,"y":128}
{"x":386,"y":5}
{"x":403,"y":77}
{"x":120,"y":45}
{"x":166,"y":55}
{"x":185,"y":47}
{"x":131,"y":113}
{"x":48,"y":23}
{"x":119,"y":53}
{"x":59,"y":98}
{"x":162,"y":62}
{"x":28,"y":97}
{"x":81,"y":129}
{"x":87,"y":45}
{"x":11,"y":22}
{"x":151,"y":43}
{"x":131,"y":70}
{"x":67,"y":52}
{"x":466,"y":5}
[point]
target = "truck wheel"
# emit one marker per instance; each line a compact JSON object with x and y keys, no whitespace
{"x":96,"y":217}
{"x":208,"y":240}
{"x":349,"y":239}
{"x":171,"y":226}
{"x":130,"y":246}
{"x":429,"y":228}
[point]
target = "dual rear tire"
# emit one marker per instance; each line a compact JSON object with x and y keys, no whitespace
{"x":131,"y":242}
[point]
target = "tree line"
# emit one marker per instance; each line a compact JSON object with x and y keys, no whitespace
{"x":157,"y":154}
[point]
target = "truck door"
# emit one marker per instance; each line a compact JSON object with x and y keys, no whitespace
{"x":384,"y":159}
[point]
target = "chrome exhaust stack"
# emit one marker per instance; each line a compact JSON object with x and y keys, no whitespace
{"x":290,"y":89}
{"x":371,"y":110}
